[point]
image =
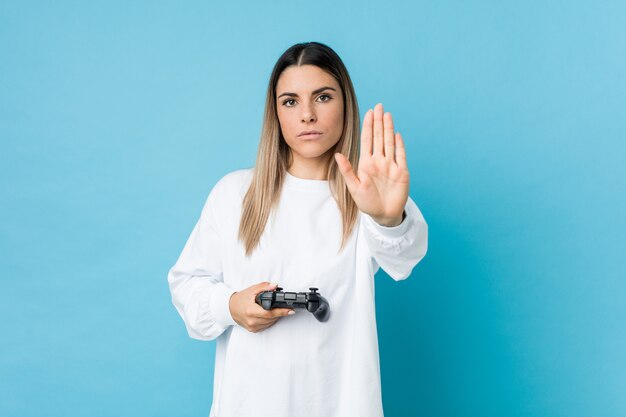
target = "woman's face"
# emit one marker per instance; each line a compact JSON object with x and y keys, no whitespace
{"x":309,"y":99}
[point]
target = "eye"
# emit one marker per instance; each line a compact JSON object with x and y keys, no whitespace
{"x":328,"y":98}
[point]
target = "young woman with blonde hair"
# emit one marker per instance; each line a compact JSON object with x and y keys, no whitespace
{"x":325,"y":206}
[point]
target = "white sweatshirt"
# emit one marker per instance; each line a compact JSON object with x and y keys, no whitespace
{"x":298,"y":367}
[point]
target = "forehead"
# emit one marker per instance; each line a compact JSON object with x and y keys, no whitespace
{"x":304,"y":79}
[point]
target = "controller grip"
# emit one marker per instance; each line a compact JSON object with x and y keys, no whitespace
{"x":323,"y":310}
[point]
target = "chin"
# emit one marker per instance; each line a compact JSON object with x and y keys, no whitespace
{"x":314,"y":150}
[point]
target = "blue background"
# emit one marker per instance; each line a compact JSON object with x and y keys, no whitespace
{"x":117,"y":119}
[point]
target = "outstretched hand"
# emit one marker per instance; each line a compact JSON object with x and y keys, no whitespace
{"x":381,"y":186}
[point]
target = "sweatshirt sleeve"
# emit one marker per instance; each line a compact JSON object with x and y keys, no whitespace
{"x":196,"y":281}
{"x":399,"y":248}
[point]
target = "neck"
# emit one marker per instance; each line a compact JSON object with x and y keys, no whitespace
{"x":309,"y":169}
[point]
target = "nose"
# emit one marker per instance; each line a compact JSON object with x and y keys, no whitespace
{"x":308,"y":115}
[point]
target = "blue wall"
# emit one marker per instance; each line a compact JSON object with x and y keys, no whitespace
{"x":117,"y":119}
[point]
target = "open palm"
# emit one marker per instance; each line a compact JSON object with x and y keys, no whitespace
{"x":380,"y":188}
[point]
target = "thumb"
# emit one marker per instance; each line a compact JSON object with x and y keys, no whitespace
{"x":260,"y":287}
{"x":345,"y":167}
{"x":264,"y":286}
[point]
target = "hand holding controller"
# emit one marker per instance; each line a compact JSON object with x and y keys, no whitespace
{"x":312,"y":301}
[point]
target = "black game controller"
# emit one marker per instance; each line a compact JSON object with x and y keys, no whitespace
{"x":312,"y":301}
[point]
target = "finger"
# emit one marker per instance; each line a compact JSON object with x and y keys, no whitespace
{"x":400,"y":152}
{"x":378,"y":130}
{"x":263,"y":286}
{"x":345,"y":167}
{"x":273,"y":314}
{"x":281,"y":312}
{"x":366,"y":134}
{"x":389,"y":137}
{"x":262,"y":314}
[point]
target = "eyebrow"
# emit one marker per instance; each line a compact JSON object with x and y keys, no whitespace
{"x":319,"y":90}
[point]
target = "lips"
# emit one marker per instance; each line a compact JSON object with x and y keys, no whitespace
{"x":311,"y":133}
{"x":310,"y":136}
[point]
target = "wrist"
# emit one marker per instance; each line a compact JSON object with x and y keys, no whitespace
{"x":390,"y":222}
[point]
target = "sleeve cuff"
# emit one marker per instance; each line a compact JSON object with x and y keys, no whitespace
{"x":220,"y":303}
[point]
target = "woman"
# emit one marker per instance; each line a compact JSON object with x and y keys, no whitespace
{"x":314,"y":211}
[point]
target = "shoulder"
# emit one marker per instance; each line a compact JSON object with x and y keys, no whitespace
{"x":231,"y":186}
{"x":235,"y":178}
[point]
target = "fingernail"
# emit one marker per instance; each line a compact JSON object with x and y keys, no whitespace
{"x":273,"y":284}
{"x":291,"y":313}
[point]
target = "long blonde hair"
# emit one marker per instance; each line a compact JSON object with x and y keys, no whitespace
{"x":273,"y":156}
